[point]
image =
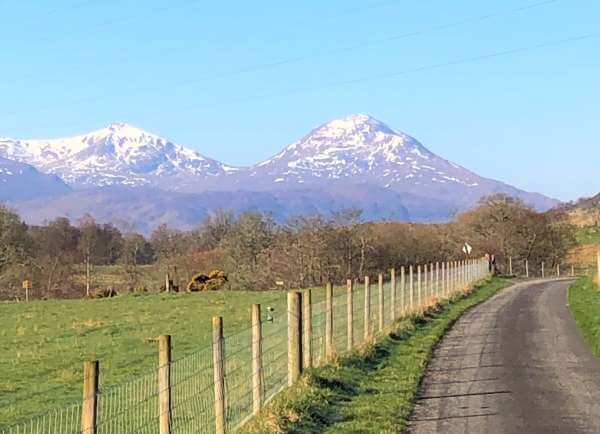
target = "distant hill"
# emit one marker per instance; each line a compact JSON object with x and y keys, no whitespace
{"x":124,"y":172}
{"x":20,"y":181}
{"x":146,"y":207}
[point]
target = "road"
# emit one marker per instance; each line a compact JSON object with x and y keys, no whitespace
{"x":514,"y":364}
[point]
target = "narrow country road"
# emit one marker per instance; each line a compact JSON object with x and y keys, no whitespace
{"x":514,"y":364}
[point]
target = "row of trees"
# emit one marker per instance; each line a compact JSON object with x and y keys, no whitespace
{"x":256,"y":252}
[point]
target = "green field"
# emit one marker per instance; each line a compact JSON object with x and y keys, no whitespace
{"x":373,"y":391}
{"x":44,"y":343}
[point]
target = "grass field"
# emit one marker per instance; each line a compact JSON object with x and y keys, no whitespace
{"x":44,"y":343}
{"x":584,"y":301}
{"x":371,"y":392}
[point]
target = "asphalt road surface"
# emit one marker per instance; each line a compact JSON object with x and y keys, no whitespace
{"x":514,"y":364}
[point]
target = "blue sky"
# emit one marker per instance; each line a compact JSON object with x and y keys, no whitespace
{"x":237,"y":81}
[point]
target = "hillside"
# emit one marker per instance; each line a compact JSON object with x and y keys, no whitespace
{"x":19,"y":181}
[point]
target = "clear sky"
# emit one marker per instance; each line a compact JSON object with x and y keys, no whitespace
{"x":238,"y":80}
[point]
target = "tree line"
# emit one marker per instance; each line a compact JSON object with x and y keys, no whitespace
{"x":66,"y":259}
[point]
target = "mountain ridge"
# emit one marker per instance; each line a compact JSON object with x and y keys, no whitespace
{"x":20,"y":181}
{"x":117,"y":154}
{"x":354,"y":161}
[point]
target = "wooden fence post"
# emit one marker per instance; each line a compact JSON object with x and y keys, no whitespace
{"x":572,"y":271}
{"x":557,"y":270}
{"x":419,"y":288}
{"x":442,"y":287}
{"x":257,"y":377}
{"x":164,"y":384}
{"x":218,"y":373}
{"x":423,"y":291}
{"x":598,"y":267}
{"x":454,"y":276}
{"x":527,"y":268}
{"x":329,"y":322}
{"x":471,"y":271}
{"x":307,"y":351}
{"x":510,"y":270}
{"x":431,"y":281}
{"x":393,"y":294}
{"x":381,"y":303}
{"x":411,"y":289}
{"x":89,"y":408}
{"x":468,"y":273}
{"x":457,"y":275}
{"x":294,"y":337}
{"x":402,"y":290}
{"x":167,"y":283}
{"x":350,"y":314}
{"x":367,"y":323}
{"x":437,"y":279}
{"x":457,"y":269}
{"x":543,"y":269}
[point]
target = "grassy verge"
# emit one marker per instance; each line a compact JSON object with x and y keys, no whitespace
{"x":371,"y":391}
{"x":584,"y":301}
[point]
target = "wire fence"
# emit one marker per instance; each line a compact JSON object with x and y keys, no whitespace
{"x":524,"y":267}
{"x":216,"y":389}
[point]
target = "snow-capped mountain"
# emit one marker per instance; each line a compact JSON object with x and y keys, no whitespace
{"x":19,"y":181}
{"x":353,"y":162}
{"x":119,"y":154}
{"x":359,"y":149}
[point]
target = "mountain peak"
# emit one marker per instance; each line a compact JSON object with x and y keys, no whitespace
{"x":123,"y":129}
{"x":354,"y":123}
{"x":118,"y":154}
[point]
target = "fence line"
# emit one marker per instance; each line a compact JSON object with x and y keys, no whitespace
{"x":217,"y":388}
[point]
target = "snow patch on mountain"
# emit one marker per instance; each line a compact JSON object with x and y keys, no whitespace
{"x":117,"y":154}
{"x":359,"y":147}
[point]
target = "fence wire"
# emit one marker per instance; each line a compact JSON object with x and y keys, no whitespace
{"x":135,"y":406}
